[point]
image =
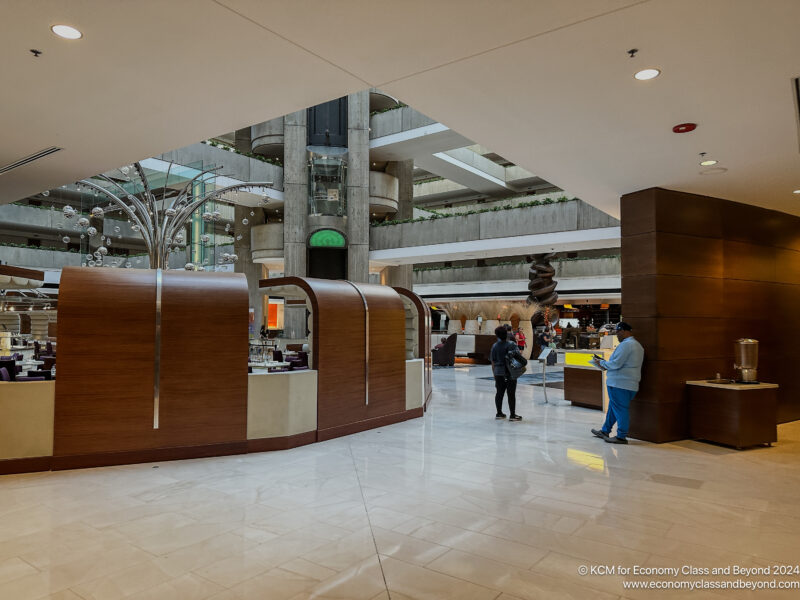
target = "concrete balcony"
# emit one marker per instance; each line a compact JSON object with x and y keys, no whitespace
{"x":583,"y":280}
{"x":266,"y":243}
{"x":383,"y":193}
{"x":267,"y":138}
{"x":236,"y":166}
{"x":404,"y":133}
{"x":523,"y":221}
{"x":565,"y":269}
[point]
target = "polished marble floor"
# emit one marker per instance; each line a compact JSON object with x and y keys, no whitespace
{"x":454,"y":505}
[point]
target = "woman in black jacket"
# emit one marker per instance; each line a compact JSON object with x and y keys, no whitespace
{"x":503,"y":381}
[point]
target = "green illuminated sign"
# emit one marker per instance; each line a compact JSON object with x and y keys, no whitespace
{"x":327,"y":238}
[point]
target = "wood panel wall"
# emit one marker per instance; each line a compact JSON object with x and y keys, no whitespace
{"x":204,"y":349}
{"x":339,"y":354}
{"x":24,"y":323}
{"x":106,"y":362}
{"x":697,"y":274}
{"x":387,"y":350}
{"x":424,"y":319}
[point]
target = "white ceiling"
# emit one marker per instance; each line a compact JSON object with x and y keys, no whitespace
{"x":545,"y":83}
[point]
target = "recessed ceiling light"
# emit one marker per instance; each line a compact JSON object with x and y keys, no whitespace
{"x":796,"y":192}
{"x":708,"y":163}
{"x":646,"y":74}
{"x":67,"y":32}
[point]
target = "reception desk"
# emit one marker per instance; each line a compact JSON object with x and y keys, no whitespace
{"x":584,"y":384}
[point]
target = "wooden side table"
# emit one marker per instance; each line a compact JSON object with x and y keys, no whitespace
{"x":738,"y":415}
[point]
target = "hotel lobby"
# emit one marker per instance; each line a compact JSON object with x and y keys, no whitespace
{"x":270,"y":243}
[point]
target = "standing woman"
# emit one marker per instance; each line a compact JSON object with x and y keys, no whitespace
{"x":503,"y":382}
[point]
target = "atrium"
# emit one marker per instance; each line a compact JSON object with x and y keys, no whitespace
{"x":258,"y":261}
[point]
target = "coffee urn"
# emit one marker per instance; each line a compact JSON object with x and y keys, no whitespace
{"x":746,"y":360}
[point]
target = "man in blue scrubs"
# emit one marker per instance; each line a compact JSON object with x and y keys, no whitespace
{"x":624,"y":370}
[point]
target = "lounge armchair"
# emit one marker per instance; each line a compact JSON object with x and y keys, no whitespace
{"x":446,"y":355}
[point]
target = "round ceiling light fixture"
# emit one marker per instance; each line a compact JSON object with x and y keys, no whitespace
{"x":708,"y":163}
{"x":714,"y":171}
{"x":66,"y":32}
{"x":796,"y":192}
{"x":646,"y":74}
{"x":684,"y":128}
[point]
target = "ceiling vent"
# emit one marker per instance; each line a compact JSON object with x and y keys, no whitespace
{"x":29,"y":159}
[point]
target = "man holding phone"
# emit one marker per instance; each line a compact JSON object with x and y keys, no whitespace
{"x":624,"y":370}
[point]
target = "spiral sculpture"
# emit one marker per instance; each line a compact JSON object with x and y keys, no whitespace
{"x":541,"y":287}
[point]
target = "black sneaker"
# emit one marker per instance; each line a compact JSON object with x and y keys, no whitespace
{"x":600,"y":433}
{"x":500,"y":416}
{"x":616,"y":440}
{"x":515,"y":418}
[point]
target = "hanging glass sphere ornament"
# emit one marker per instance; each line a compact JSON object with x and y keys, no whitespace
{"x":92,"y":263}
{"x":227,"y":227}
{"x":92,"y":231}
{"x":189,"y":266}
{"x":239,"y":238}
{"x":97,"y":212}
{"x":102,"y":250}
{"x":128,"y":264}
{"x":83,"y":236}
{"x":108,"y":242}
{"x":116,"y":229}
{"x":159,"y":212}
{"x":83,"y":222}
{"x":252,"y":213}
{"x":234,"y":257}
{"x":205,"y":238}
{"x":65,"y":239}
{"x":68,"y":211}
{"x":46,"y":193}
{"x":245,"y":221}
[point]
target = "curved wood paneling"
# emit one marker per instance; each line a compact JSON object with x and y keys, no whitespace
{"x":106,"y":362}
{"x":339,"y":353}
{"x":104,"y":388}
{"x":387,"y":350}
{"x":424,"y":314}
{"x":338,"y":342}
{"x":203,"y":358}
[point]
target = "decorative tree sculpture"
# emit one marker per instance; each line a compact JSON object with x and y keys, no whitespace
{"x":541,"y":287}
{"x":159,"y":220}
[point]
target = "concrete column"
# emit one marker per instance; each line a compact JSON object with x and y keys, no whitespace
{"x":402,"y":276}
{"x":253,"y":271}
{"x":358,"y":187}
{"x":295,"y":211}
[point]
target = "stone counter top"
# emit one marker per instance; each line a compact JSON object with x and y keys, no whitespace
{"x":734,"y":386}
